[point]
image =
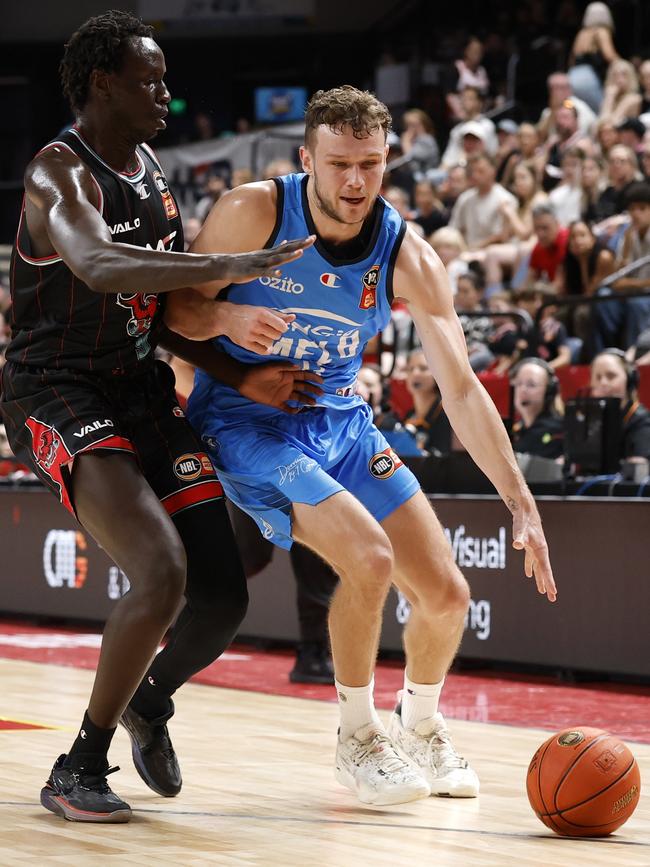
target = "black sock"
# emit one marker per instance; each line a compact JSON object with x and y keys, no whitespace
{"x":92,"y":743}
{"x":152,"y":700}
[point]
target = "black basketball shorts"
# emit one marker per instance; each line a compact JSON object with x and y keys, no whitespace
{"x":52,"y":416}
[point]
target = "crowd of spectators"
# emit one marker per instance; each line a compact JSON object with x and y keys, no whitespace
{"x":530,"y":216}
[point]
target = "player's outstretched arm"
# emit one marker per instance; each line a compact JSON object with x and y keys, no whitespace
{"x":272,"y":384}
{"x":63,"y":216}
{"x":421,"y":280}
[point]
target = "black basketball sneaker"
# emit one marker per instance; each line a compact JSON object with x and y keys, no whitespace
{"x":81,"y":794}
{"x":153,"y":754}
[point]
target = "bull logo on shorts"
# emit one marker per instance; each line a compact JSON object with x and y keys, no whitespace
{"x":46,"y":444}
{"x":143,"y":309}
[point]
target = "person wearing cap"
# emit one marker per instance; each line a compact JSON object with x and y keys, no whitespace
{"x":477,"y":213}
{"x":475,"y":125}
{"x":619,"y":323}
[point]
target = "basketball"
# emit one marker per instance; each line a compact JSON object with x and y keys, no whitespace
{"x":583,"y":782}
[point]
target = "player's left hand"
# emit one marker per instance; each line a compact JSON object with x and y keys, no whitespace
{"x":277,"y":383}
{"x":527,"y":535}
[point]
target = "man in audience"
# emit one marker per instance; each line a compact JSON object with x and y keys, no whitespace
{"x":477,"y":212}
{"x":622,"y":166}
{"x":559,"y":91}
{"x":481,"y":127}
{"x":550,"y":249}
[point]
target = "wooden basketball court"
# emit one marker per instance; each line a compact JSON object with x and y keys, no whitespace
{"x":259,"y":790}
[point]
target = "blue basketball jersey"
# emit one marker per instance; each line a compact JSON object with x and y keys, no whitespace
{"x":339,"y":304}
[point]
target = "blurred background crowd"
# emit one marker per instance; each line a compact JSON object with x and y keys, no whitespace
{"x":520,"y":152}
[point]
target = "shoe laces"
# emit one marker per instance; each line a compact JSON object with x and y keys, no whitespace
{"x":96,"y":782}
{"x":442,"y":751}
{"x":381,"y":745}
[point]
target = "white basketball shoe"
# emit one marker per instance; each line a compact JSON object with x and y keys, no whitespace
{"x":430,"y":748}
{"x":368,"y":763}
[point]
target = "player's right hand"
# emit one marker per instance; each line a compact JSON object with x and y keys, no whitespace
{"x":254,"y":328}
{"x":242,"y":267}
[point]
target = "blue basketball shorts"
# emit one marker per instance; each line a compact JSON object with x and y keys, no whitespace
{"x":268,"y":460}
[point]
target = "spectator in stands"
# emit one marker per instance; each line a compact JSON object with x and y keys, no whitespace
{"x":560,"y":92}
{"x":427,"y":421}
{"x":518,"y":226}
{"x":528,"y":150}
{"x":477,"y":212}
{"x":622,"y":98}
{"x":278,"y":168}
{"x":399,"y":199}
{"x":215,"y":186}
{"x":550,"y":250}
{"x":429,"y":210}
{"x":593,"y":184}
{"x":591,"y":54}
{"x":481,"y":128}
{"x":606,"y":137}
{"x":453,"y":184}
{"x":418,"y":141}
{"x":507,"y":147}
{"x":566,"y":198}
{"x":612,"y":375}
{"x":373,"y":389}
{"x":547,"y":339}
{"x":567,"y":138}
{"x":476,"y":328}
{"x":449,"y":245}
{"x":622,"y":167}
{"x":470,"y":74}
{"x":619,"y":323}
{"x":631,"y":132}
{"x":645,"y":161}
{"x":241,"y":176}
{"x":505,"y":334}
{"x":540,"y":427}
{"x":587,"y":263}
{"x":644,"y":81}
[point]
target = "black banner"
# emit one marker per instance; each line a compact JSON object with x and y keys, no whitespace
{"x":51,"y":567}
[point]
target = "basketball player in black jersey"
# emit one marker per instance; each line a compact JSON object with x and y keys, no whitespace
{"x":86,"y":405}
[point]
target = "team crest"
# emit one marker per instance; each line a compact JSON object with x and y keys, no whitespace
{"x":168,"y":200}
{"x":369,"y":282}
{"x":143,"y":309}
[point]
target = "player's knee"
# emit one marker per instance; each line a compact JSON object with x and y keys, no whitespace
{"x":373,"y":566}
{"x":169,"y":585}
{"x":448,"y":595}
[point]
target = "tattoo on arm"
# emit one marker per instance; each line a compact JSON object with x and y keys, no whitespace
{"x":513,"y":505}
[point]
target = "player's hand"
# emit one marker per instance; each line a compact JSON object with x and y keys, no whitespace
{"x":241,"y":267}
{"x":277,"y":383}
{"x":254,"y":328}
{"x":527,"y":535}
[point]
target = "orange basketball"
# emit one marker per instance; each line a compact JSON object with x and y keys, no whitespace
{"x":583,"y":782}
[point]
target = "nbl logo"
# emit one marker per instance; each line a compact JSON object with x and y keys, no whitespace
{"x":370,"y":282}
{"x":383,"y":465}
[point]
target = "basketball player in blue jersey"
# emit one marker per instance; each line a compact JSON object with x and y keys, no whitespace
{"x":325,"y":476}
{"x":88,"y":408}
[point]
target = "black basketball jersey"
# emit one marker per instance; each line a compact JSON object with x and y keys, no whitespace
{"x":56,"y":320}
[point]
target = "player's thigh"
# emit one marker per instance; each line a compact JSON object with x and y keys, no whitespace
{"x":118,"y":507}
{"x":425,"y":570}
{"x":342,"y":531}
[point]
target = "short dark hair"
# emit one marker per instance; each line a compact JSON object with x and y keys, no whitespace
{"x":346,"y":106}
{"x":637,"y":193}
{"x":98,"y":44}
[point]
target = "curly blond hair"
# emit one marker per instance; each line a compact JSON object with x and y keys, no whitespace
{"x":346,"y":106}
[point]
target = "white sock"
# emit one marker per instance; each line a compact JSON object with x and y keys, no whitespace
{"x":357,"y":708}
{"x":419,"y":701}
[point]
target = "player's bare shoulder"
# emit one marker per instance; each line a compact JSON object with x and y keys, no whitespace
{"x":243,"y":219}
{"x":55,"y":171}
{"x":419,"y":273}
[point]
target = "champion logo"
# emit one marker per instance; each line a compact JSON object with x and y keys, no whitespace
{"x":331,"y":280}
{"x":151,"y":681}
{"x":83,"y":734}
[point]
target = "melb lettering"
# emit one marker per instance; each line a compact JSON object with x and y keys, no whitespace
{"x":478,"y":552}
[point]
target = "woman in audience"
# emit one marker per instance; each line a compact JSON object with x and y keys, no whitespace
{"x":566,"y":198}
{"x":449,"y":245}
{"x":612,"y":375}
{"x":593,"y":184}
{"x":622,"y":98}
{"x":587,"y":263}
{"x":427,"y":421}
{"x":540,"y":427}
{"x":592,"y":52}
